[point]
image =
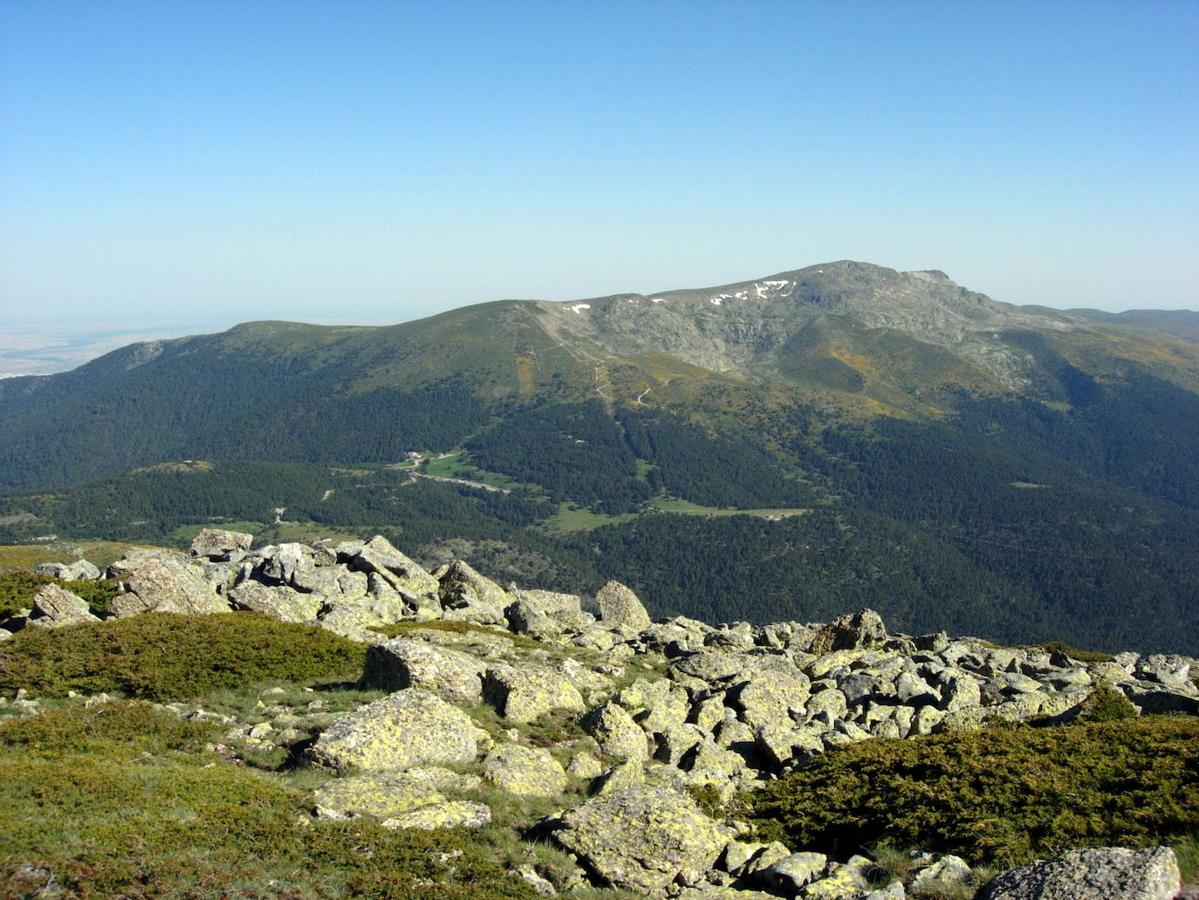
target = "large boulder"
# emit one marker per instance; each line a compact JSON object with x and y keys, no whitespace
{"x":54,"y":607}
{"x":524,"y":771}
{"x":849,"y":632}
{"x":771,"y":698}
{"x":406,"y":662}
{"x":643,"y":838}
{"x":80,"y":570}
{"x":617,"y":735}
{"x":218,"y":545}
{"x":468,"y":596}
{"x":409,"y":728}
{"x":403,"y":574}
{"x":620,"y":607}
{"x":276,"y":601}
{"x":1113,"y":873}
{"x":163,"y":581}
{"x":565,"y":609}
{"x":386,"y":794}
{"x":521,"y":695}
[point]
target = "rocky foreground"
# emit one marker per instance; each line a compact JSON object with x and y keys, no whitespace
{"x":652,"y":717}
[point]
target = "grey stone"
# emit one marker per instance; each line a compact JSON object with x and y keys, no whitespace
{"x":792,"y":874}
{"x":406,"y":662}
{"x":163,"y":581}
{"x":408,"y":728}
{"x":643,"y":838}
{"x":524,"y":771}
{"x":621,"y":608}
{"x":615,"y":732}
{"x":219,"y":545}
{"x":521,"y":695}
{"x":1113,"y":873}
{"x":54,"y":607}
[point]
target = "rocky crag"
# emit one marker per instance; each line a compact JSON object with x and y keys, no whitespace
{"x":651,"y":716}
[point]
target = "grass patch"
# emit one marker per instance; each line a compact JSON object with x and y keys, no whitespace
{"x":23,"y":557}
{"x":572,"y":517}
{"x":163,"y":656}
{"x":1001,"y":795}
{"x":121,"y":800}
{"x":686,"y":507}
{"x":454,"y":627}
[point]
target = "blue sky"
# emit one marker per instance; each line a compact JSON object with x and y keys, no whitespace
{"x":369,"y":162}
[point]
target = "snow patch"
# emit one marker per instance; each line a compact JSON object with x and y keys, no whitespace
{"x":657,"y":299}
{"x":719,"y":299}
{"x":579,"y":307}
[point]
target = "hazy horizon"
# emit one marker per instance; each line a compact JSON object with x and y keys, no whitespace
{"x":383,"y":162}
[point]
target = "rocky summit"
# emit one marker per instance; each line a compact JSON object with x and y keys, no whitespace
{"x":632,"y":731}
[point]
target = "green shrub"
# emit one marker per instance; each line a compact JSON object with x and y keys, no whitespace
{"x":17,"y":590}
{"x":117,"y":813}
{"x":999,"y":795}
{"x":1106,"y":704}
{"x":136,"y":725}
{"x":162,"y":656}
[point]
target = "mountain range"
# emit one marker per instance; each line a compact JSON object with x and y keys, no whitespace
{"x":776,"y":448}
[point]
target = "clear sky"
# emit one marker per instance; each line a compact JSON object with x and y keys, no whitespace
{"x":367,"y":162}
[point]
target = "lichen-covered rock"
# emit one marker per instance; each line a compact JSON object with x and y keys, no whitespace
{"x":276,"y":601}
{"x":388,"y":793}
{"x":524,"y":771}
{"x":844,"y":881}
{"x":378,"y":556}
{"x":852,"y":631}
{"x":354,"y":619}
{"x":620,"y":607}
{"x":163,"y":581}
{"x":615,"y":732}
{"x":406,"y":662}
{"x":54,"y":607}
{"x":80,"y":570}
{"x":643,"y":838}
{"x":219,"y":545}
{"x":792,"y":874}
{"x":470,"y":597}
{"x":409,"y":728}
{"x":521,"y":695}
{"x":944,"y":876}
{"x":565,"y":609}
{"x":1113,"y":873}
{"x":524,"y":618}
{"x":584,"y":765}
{"x":655,"y":705}
{"x":771,"y":698}
{"x":446,"y":814}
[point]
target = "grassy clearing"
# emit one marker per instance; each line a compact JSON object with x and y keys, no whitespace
{"x":123,"y":799}
{"x":1001,"y":795}
{"x":686,"y":507}
{"x":23,"y":557}
{"x":161,"y":656}
{"x":454,"y":465}
{"x":571,"y":517}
